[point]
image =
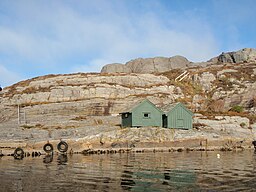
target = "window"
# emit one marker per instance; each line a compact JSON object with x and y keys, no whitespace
{"x":146,"y":115}
{"x":125,"y":115}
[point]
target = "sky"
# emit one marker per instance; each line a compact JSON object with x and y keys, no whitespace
{"x":40,"y":37}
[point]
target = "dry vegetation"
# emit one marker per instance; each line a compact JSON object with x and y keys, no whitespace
{"x":28,"y":126}
{"x":228,"y":81}
{"x":80,"y":118}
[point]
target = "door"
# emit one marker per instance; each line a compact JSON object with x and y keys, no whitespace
{"x":180,"y":123}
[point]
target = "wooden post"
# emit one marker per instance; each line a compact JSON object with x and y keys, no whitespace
{"x":18,"y":114}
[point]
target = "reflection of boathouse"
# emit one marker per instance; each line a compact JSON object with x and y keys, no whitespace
{"x":152,"y":180}
{"x":146,"y":113}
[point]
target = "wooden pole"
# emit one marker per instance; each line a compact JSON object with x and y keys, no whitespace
{"x":18,"y":114}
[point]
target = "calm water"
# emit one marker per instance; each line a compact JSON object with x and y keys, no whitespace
{"x":192,"y":171}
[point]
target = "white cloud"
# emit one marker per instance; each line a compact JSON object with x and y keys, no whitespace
{"x":7,"y":77}
{"x":54,"y":32}
{"x":93,"y":66}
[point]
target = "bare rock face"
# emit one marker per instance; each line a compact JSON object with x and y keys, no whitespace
{"x":205,"y":80}
{"x":76,"y":87}
{"x":148,"y":65}
{"x":244,"y":55}
{"x":231,"y":125}
{"x":115,"y":68}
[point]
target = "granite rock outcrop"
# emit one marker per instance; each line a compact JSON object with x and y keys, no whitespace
{"x":163,"y":64}
{"x":244,"y":55}
{"x":148,"y":65}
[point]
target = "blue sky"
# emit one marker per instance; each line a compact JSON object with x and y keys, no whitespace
{"x":39,"y":37}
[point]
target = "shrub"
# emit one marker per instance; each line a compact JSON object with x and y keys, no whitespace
{"x":242,"y":124}
{"x":216,"y":106}
{"x":237,"y":108}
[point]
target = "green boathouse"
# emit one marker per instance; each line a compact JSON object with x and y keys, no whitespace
{"x":142,"y":114}
{"x":177,"y":116}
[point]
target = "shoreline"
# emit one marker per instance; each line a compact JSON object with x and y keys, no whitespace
{"x":82,"y":146}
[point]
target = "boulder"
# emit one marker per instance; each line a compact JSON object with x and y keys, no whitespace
{"x":148,"y":65}
{"x":178,"y":62}
{"x":205,"y":80}
{"x":115,"y":68}
{"x":244,"y":55}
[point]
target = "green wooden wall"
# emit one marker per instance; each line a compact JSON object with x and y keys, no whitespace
{"x":179,"y":118}
{"x":140,"y":117}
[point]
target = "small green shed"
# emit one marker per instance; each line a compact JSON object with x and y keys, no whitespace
{"x":177,"y":116}
{"x":142,"y":114}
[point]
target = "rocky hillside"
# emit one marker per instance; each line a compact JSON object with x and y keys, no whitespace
{"x":213,"y":88}
{"x":87,"y":105}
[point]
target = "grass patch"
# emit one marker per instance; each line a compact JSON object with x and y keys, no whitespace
{"x":237,"y":109}
{"x":27,"y":126}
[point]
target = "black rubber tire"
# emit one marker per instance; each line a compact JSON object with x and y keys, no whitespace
{"x":62,"y":147}
{"x":48,"y":148}
{"x":18,"y":153}
{"x":254,"y":144}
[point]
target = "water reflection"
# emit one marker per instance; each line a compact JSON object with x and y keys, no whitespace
{"x":62,"y":159}
{"x":127,"y":181}
{"x":195,"y":171}
{"x":151,"y":180}
{"x":48,"y":158}
{"x":180,"y":179}
{"x":19,"y":157}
